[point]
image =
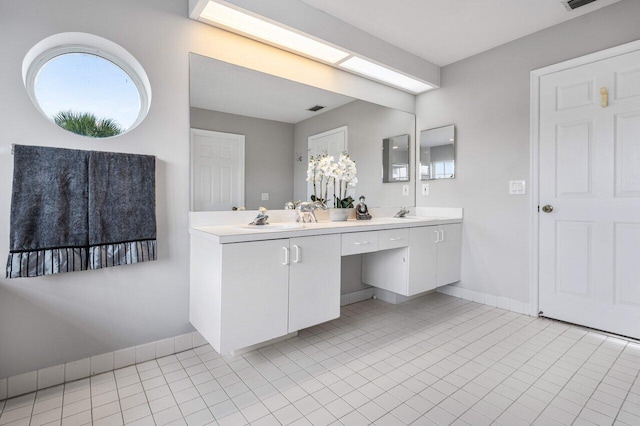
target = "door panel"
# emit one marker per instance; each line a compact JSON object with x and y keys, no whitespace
{"x":627,"y":150}
{"x":573,"y":159}
{"x":627,"y":274}
{"x":573,"y":258}
{"x":590,"y":173}
{"x":574,"y":95}
{"x":627,"y":83}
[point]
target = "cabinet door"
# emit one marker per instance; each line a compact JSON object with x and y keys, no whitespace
{"x":255,"y":286}
{"x":449,"y":253}
{"x":423,"y":259}
{"x":387,"y":269}
{"x":314,"y":280}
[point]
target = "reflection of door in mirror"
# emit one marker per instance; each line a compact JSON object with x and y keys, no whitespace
{"x":437,"y":153}
{"x":218,"y":170}
{"x":395,"y":159}
{"x":332,"y":142}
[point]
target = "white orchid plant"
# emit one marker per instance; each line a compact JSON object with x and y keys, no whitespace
{"x":327,"y":173}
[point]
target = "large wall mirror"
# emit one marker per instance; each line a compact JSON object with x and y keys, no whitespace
{"x":437,"y":153}
{"x":252,"y":132}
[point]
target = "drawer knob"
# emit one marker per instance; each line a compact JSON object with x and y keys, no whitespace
{"x":364,"y":243}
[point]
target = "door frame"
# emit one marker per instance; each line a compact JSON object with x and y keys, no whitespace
{"x":241,"y":151}
{"x":534,"y":152}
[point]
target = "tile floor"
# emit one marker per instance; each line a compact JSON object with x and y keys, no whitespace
{"x":436,"y":360}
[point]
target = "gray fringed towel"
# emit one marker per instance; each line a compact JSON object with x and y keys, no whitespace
{"x":74,"y":210}
{"x":122,"y":218}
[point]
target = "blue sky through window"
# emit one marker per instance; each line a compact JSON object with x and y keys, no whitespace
{"x":83,"y":82}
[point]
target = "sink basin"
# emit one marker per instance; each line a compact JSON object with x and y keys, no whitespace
{"x":273,"y":226}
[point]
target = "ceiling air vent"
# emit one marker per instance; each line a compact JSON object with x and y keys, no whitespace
{"x":574,"y":4}
{"x":315,"y":108}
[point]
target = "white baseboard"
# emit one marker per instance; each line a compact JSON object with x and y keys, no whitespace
{"x":488,"y":299}
{"x":32,"y":381}
{"x":356,"y":296}
{"x":263,"y":344}
{"x":391,"y":297}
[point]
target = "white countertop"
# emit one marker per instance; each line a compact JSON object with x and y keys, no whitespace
{"x":243,"y":233}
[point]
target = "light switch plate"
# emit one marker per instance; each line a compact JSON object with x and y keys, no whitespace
{"x":517,"y":187}
{"x":265,"y":196}
{"x":425,"y":189}
{"x":405,"y":189}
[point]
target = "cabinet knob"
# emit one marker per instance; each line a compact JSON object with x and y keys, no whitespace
{"x":548,"y":208}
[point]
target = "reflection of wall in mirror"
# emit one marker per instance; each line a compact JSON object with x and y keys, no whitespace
{"x":368,"y":125}
{"x":395,"y":159}
{"x":441,"y":160}
{"x":437,"y":153}
{"x":268,"y":154}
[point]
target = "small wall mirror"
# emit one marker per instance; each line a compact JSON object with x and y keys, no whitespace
{"x":395,"y":159}
{"x":437,"y":153}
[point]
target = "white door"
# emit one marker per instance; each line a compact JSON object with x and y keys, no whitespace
{"x":314,"y":280}
{"x":217,"y":175}
{"x":332,"y":142}
{"x":589,"y":259}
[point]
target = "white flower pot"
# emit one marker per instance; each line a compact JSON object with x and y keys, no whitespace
{"x":339,"y":215}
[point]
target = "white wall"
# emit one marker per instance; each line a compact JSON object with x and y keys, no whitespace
{"x":49,"y":320}
{"x":268,"y":154}
{"x":487,"y":98}
{"x":368,"y":125}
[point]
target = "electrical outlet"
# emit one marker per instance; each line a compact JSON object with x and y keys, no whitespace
{"x":265,"y":196}
{"x":405,"y":190}
{"x":425,"y":189}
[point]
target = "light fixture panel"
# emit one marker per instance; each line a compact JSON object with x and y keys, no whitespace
{"x":380,"y":73}
{"x":254,"y":27}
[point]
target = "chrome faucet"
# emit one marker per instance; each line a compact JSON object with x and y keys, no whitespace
{"x":402,"y":213}
{"x":262,"y":217}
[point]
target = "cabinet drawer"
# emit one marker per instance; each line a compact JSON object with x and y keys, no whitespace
{"x":359,"y":242}
{"x":393,"y":238}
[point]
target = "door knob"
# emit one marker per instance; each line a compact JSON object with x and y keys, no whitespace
{"x":547,"y":209}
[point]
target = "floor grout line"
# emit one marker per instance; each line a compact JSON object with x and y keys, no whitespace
{"x":463,"y":358}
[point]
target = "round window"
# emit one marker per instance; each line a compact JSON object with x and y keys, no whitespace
{"x":91,"y":89}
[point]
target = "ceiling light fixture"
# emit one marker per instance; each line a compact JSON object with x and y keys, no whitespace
{"x":380,"y":73}
{"x":237,"y":21}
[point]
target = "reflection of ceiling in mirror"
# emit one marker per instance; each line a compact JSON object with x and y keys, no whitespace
{"x":438,"y":136}
{"x":220,"y":86}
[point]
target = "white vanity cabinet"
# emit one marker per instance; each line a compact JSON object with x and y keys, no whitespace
{"x":432,"y":259}
{"x":250,"y":285}
{"x":250,"y":292}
